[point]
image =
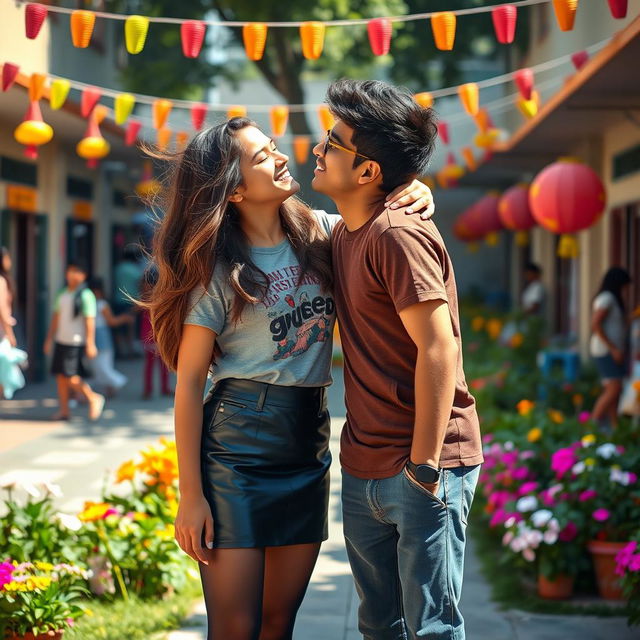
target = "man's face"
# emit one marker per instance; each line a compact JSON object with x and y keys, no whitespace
{"x":334,"y":173}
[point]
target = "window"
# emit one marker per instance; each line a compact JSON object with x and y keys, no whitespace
{"x":18,"y":172}
{"x":79,"y":188}
{"x":626,"y":163}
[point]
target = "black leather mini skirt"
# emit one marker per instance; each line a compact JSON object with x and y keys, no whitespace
{"x":265,"y":463}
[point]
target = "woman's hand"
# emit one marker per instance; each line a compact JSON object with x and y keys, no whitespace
{"x":417,"y":195}
{"x":194,"y":518}
{"x":617,"y":355}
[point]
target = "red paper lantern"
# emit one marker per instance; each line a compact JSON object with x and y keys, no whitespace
{"x":192,"y":33}
{"x":9,"y":74}
{"x":443,"y":131}
{"x":483,"y":217}
{"x":88,"y":101}
{"x":464,"y":231}
{"x":524,"y":81}
{"x":34,"y":16}
{"x":504,"y":22}
{"x":579,"y":59}
{"x":618,"y":8}
{"x":198,"y":114}
{"x":133,"y":129}
{"x":380,"y":30}
{"x":514,"y":209}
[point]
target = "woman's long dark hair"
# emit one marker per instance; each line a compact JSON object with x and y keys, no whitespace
{"x":614,"y":279}
{"x":4,"y":252}
{"x":201,"y":228}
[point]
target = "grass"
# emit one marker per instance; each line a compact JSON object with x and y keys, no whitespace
{"x":134,"y":620}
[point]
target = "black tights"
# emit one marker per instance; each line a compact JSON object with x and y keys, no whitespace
{"x":254,"y":594}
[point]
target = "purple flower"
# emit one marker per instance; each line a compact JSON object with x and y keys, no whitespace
{"x":633,"y":478}
{"x":634,"y":563}
{"x":601,"y":515}
{"x":587,"y":494}
{"x":509,"y":458}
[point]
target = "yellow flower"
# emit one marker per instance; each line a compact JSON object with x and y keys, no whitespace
{"x":93,"y":511}
{"x":589,"y":462}
{"x":556,"y":416}
{"x":525,"y":407}
{"x":167,"y":533}
{"x":534,"y":434}
{"x":588,"y":439}
{"x":494,"y":327}
{"x":43,"y":566}
{"x":516,"y":340}
{"x":477,"y":323}
{"x":127,"y":471}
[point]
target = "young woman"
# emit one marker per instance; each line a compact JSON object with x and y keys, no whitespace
{"x":244,"y":289}
{"x":608,"y":344}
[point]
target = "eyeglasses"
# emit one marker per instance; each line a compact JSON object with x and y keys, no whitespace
{"x":328,"y":142}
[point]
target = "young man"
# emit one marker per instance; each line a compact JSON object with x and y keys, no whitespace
{"x":534,"y":293}
{"x":72,"y":334}
{"x":410,"y":449}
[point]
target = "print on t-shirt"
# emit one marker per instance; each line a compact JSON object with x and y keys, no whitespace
{"x":298,"y":321}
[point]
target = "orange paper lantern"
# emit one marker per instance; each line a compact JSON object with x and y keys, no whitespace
{"x":192,"y":34}
{"x":82,"y":23}
{"x":312,"y":36}
{"x":36,"y":86}
{"x":301,"y":146}
{"x":161,"y":109}
{"x":467,"y":154}
{"x":238,"y":111}
{"x":254,"y":36}
{"x":470,"y":97}
{"x":424,"y":99}
{"x":163,"y":138}
{"x":100,"y":113}
{"x":326,"y":118}
{"x":486,"y":139}
{"x":443,"y":25}
{"x":182,"y":137}
{"x":279,"y":119}
{"x":483,"y":120}
{"x":565,"y":13}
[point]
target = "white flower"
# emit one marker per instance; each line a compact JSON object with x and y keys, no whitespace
{"x":529,"y":555}
{"x":70,"y":522}
{"x":508,"y":445}
{"x":31,"y":489}
{"x":517,"y":544}
{"x":554,"y":525}
{"x":616,"y":475}
{"x":550,"y":536}
{"x":527,"y":503}
{"x":578,"y":468}
{"x":507,"y":538}
{"x":510,"y":522}
{"x":607,"y":450}
{"x":541,"y":517}
{"x":534,"y":538}
{"x":52,"y":489}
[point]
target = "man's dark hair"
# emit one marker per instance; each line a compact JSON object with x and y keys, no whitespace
{"x":533,"y":268}
{"x":389,"y":126}
{"x":78,"y":265}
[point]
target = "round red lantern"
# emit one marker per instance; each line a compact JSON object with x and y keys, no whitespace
{"x":484,"y":217}
{"x":515,"y":212}
{"x":567,"y":197}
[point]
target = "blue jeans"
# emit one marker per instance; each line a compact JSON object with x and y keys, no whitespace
{"x":406,"y":549}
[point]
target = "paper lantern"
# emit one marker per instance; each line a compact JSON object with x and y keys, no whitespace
{"x":524,"y":81}
{"x":82,"y":23}
{"x":133,"y":129}
{"x":182,"y":137}
{"x":301,"y":146}
{"x":424,"y":99}
{"x":515,"y":212}
{"x":452,"y":171}
{"x":9,"y":74}
{"x":380,"y":30}
{"x":36,"y":86}
{"x":34,"y":16}
{"x":443,"y":131}
{"x":443,"y":25}
{"x":148,"y":187}
{"x":462,"y":231}
{"x":198,"y":114}
{"x":470,"y":97}
{"x":565,"y":13}
{"x":618,"y":8}
{"x":160,"y":110}
{"x":279,"y":118}
{"x":326,"y":118}
{"x":33,"y":131}
{"x":529,"y":108}
{"x":237,"y":111}
{"x":483,"y":120}
{"x":58,"y":92}
{"x":567,"y":197}
{"x":467,"y":154}
{"x":123,"y":105}
{"x":135,"y":33}
{"x":192,"y":34}
{"x":504,"y":22}
{"x":579,"y":59}
{"x":484,"y":217}
{"x":486,"y":139}
{"x":254,"y":36}
{"x":100,"y":113}
{"x":312,"y":36}
{"x":93,"y":146}
{"x":163,"y":138}
{"x":88,"y":100}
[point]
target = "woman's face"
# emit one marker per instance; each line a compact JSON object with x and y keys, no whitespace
{"x":265,"y":176}
{"x":6,"y":263}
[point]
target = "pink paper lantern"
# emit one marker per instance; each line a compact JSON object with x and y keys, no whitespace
{"x":88,"y":100}
{"x":133,"y":129}
{"x":504,"y":22}
{"x":524,"y":81}
{"x":380,"y":30}
{"x":618,"y":8}
{"x":443,"y":131}
{"x":9,"y":74}
{"x":579,"y":59}
{"x":192,"y":33}
{"x":34,"y":16}
{"x":198,"y":114}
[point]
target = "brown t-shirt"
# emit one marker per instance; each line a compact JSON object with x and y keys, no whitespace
{"x":390,"y":263}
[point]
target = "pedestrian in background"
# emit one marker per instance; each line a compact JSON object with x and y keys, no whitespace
{"x":534,"y":294}
{"x":127,"y":279}
{"x":71,"y":337}
{"x":105,"y":373}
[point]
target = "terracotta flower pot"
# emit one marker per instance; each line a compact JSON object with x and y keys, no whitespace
{"x":51,"y":635}
{"x":604,"y":561}
{"x":560,"y":588}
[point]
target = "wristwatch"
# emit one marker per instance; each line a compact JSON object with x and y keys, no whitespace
{"x":424,"y":472}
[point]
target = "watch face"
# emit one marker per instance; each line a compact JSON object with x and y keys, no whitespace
{"x":427,"y":474}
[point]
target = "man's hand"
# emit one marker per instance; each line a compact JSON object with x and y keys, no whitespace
{"x":91,"y":351}
{"x":416,"y":195}
{"x":431,"y":488}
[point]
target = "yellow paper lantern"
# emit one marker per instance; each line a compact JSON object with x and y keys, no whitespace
{"x":470,"y":97}
{"x":161,"y":109}
{"x":443,"y":25}
{"x":312,"y":35}
{"x":279,"y":119}
{"x":254,"y":36}
{"x":486,"y":140}
{"x":182,"y":137}
{"x":483,"y":120}
{"x":82,"y":23}
{"x":424,"y":99}
{"x":135,"y":33}
{"x":33,"y":131}
{"x":301,"y":146}
{"x":237,"y":111}
{"x":58,"y":92}
{"x":326,"y":117}
{"x":123,"y":106}
{"x":36,"y":86}
{"x":163,"y":138}
{"x":528,"y":108}
{"x":93,"y":146}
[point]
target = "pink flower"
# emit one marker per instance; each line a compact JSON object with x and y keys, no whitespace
{"x":499,"y":517}
{"x":568,"y":533}
{"x":634,"y":563}
{"x":528,"y":487}
{"x":520,"y":473}
{"x":563,"y":460}
{"x":601,"y":515}
{"x":587,"y":494}
{"x":510,"y":458}
{"x":110,"y":512}
{"x":584,"y":416}
{"x":633,"y":478}
{"x":487,"y":437}
{"x":6,"y":569}
{"x":526,"y":455}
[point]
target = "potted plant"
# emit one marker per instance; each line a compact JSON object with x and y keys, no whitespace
{"x":38,"y":601}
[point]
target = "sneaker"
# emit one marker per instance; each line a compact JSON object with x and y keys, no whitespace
{"x":96,"y":406}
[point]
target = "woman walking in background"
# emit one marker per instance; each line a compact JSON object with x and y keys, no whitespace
{"x":608,"y":344}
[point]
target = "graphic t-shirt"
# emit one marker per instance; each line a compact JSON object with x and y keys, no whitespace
{"x":71,"y":329}
{"x":285,"y":339}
